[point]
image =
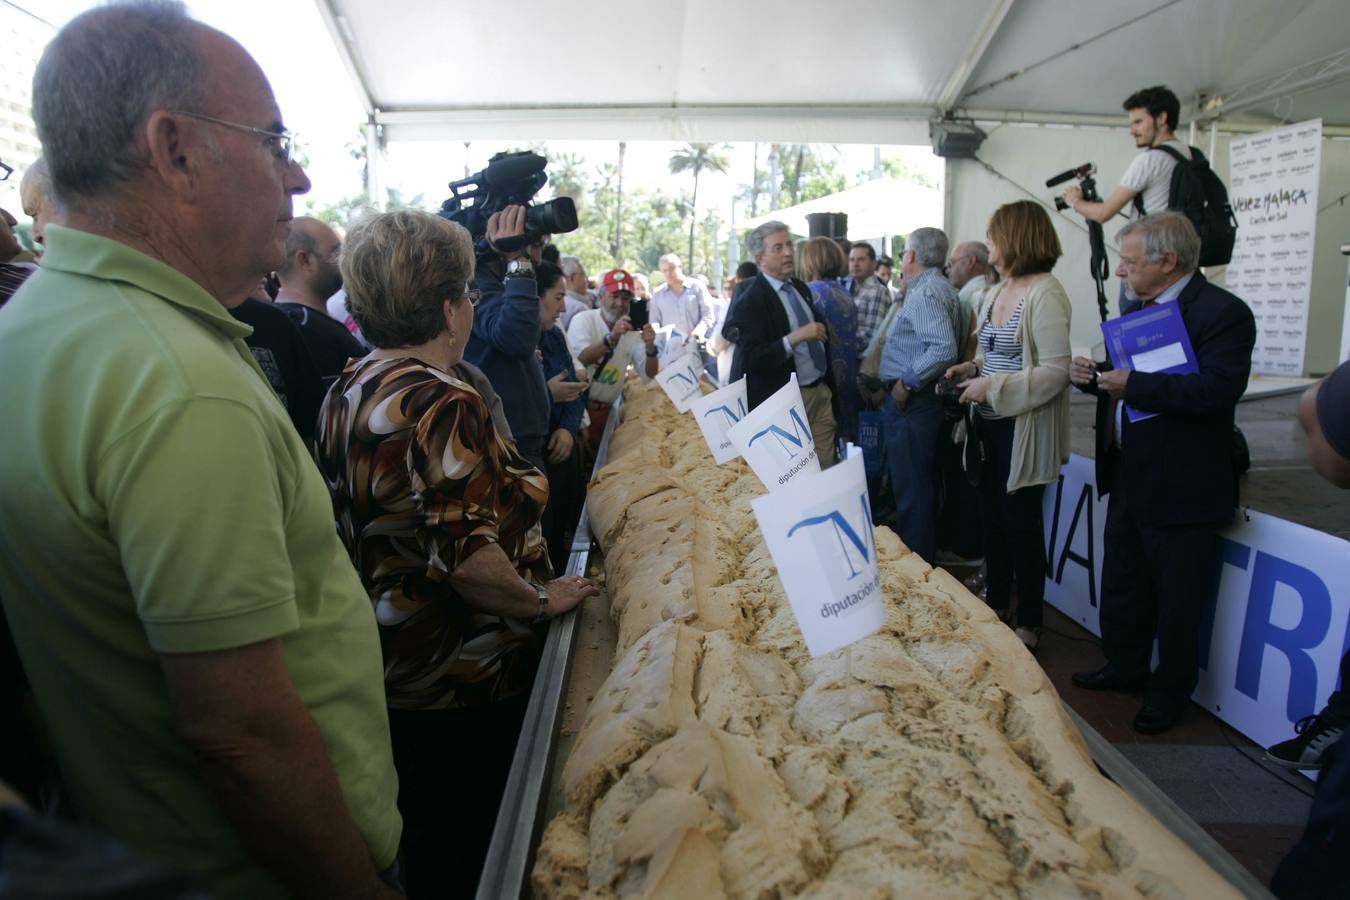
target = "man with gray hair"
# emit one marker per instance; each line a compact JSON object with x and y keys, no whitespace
{"x":681,"y":301}
{"x":778,"y":332}
{"x":202,"y":651}
{"x":35,"y":195}
{"x":576,"y":298}
{"x":968,"y":270}
{"x":1171,"y":476}
{"x":924,"y":340}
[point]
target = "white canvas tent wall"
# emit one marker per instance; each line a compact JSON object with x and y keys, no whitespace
{"x":870,"y":72}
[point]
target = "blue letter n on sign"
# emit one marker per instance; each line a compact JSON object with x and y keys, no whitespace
{"x":1259,"y":631}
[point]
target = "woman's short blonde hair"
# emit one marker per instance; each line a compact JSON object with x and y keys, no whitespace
{"x":398,"y":269}
{"x":819,"y":259}
{"x":1025,"y":238}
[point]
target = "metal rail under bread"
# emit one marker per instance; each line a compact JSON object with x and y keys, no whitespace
{"x":506,"y":872}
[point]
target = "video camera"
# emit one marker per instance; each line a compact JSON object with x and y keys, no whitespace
{"x":1097,"y":263}
{"x":1083,"y":173}
{"x":509,"y":178}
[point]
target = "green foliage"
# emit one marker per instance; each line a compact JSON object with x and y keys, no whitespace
{"x":351,"y":209}
{"x":894,"y":167}
{"x":804,"y":171}
{"x":697,"y":159}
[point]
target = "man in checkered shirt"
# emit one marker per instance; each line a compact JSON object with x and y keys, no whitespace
{"x":872,"y":298}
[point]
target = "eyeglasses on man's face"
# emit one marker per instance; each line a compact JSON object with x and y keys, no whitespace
{"x":282,"y":143}
{"x":5,"y":171}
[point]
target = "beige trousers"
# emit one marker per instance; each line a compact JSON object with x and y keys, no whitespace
{"x":821,"y":418}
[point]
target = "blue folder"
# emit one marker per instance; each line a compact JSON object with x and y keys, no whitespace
{"x":1150,"y":340}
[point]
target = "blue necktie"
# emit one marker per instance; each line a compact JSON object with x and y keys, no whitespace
{"x":815,"y":348}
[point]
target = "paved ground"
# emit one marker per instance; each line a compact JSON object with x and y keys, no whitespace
{"x":1254,"y":810}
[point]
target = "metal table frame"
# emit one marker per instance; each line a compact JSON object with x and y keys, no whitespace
{"x":506,"y":872}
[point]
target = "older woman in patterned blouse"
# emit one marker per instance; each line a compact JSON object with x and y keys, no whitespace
{"x":441,"y":517}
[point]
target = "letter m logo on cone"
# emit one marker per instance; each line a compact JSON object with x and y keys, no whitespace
{"x":791,"y":436}
{"x":833,"y":537}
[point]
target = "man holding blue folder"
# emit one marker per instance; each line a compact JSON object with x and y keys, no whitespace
{"x":1165,"y":456}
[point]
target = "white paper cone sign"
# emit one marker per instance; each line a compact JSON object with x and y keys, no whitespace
{"x":775,"y":438}
{"x":819,"y":532}
{"x":670,"y":342}
{"x":717,"y":412}
{"x":680,"y":380}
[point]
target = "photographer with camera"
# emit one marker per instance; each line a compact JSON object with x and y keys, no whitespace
{"x":506,"y":329}
{"x":1019,"y":383}
{"x":1153,"y":116}
{"x":1146,"y":185}
{"x":494,"y":205}
{"x":606,"y":340}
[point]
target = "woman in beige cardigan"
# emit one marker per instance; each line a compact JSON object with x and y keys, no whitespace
{"x":1019,"y":381}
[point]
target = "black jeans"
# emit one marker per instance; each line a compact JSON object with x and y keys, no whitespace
{"x":958,"y":528}
{"x":566,"y":494}
{"x":1013,"y":527}
{"x":452,"y":767}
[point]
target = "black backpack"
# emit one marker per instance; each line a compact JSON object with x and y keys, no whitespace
{"x":1198,"y":193}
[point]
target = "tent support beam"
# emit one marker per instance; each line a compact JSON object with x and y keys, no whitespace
{"x":956,"y":81}
{"x":344,"y":42}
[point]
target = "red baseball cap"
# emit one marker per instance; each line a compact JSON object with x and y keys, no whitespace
{"x":616,"y":280}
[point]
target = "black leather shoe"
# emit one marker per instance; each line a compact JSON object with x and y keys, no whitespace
{"x":1158,"y":714}
{"x":1108,"y":679}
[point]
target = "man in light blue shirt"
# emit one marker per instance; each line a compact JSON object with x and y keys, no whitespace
{"x":925,"y":338}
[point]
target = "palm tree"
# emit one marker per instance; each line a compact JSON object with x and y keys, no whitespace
{"x":697,"y":158}
{"x":616,"y":245}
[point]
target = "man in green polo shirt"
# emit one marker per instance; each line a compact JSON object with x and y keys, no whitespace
{"x":201,"y":648}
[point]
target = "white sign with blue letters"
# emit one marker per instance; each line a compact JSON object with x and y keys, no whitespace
{"x":716,"y":413}
{"x":775,"y":438}
{"x":680,"y":380}
{"x":820,"y":535}
{"x":1270,"y":641}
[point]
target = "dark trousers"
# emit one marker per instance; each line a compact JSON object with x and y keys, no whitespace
{"x":911,"y":452}
{"x":566,"y":493}
{"x":1315,"y":867}
{"x":594,"y":433}
{"x":1014,"y":530}
{"x":1156,"y":580}
{"x":532,"y":448}
{"x":1338,"y":704}
{"x":958,"y":504}
{"x":452,"y":767}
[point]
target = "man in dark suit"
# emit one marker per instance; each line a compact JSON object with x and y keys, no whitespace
{"x":1171,"y":478}
{"x":777,"y":331}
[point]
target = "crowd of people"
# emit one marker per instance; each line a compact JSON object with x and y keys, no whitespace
{"x":286,"y":511}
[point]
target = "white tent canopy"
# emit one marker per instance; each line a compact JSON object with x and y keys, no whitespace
{"x":799,"y":71}
{"x":878,"y":208}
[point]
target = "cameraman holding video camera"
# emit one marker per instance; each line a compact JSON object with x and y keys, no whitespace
{"x":506,"y":329}
{"x":1153,"y":119}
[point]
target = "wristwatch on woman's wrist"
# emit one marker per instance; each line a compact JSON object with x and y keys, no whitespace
{"x":542,"y":591}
